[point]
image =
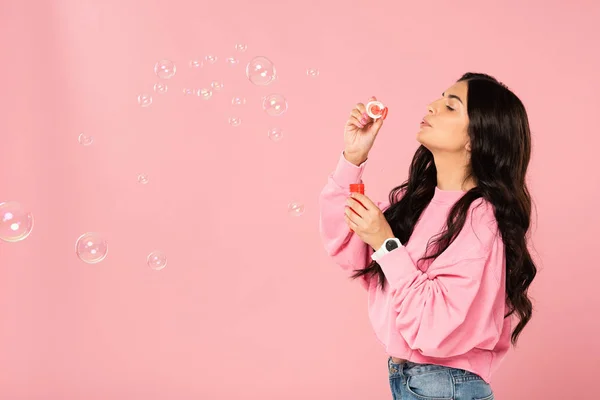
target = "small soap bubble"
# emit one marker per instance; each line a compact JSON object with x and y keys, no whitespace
{"x":165,"y":69}
{"x":216,"y":85}
{"x":205,"y":93}
{"x":91,"y":248}
{"x":144,"y":100}
{"x":211,"y":59}
{"x":156,"y":260}
{"x":275,"y":134}
{"x":241,"y":47}
{"x":188,"y":91}
{"x":275,"y":104}
{"x":260,"y":71}
{"x":238,"y":101}
{"x":160,"y":88}
{"x":312,"y":72}
{"x":196,"y":64}
{"x":143,"y":178}
{"x":231,"y":61}
{"x":295,"y":209}
{"x":235,"y":121}
{"x":16,"y":222}
{"x":85,"y":140}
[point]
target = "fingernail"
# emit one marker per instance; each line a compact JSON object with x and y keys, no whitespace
{"x":365,"y":115}
{"x":363,"y":121}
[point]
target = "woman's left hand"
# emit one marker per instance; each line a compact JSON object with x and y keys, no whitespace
{"x":367,"y":220}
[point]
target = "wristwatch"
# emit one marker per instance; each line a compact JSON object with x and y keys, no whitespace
{"x":387,"y":246}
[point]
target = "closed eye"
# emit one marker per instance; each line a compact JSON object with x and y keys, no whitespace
{"x":450,"y":108}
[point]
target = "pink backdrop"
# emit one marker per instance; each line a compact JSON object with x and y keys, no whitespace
{"x":249,"y":306}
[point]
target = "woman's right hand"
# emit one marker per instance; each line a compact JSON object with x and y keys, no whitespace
{"x":360,"y":133}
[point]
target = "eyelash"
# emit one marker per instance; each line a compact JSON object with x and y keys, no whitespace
{"x":450,"y":108}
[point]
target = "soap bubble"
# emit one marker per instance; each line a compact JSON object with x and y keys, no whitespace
{"x":143,"y":179}
{"x":165,"y":69}
{"x":16,"y":223}
{"x":275,"y":105}
{"x":261,"y":71}
{"x":241,"y":47}
{"x":312,"y":72}
{"x":238,"y":101}
{"x":196,"y":64}
{"x":216,"y":85}
{"x":211,"y":59}
{"x":295,"y":209}
{"x":275,"y":134}
{"x":85,"y":140}
{"x":144,"y":100}
{"x":91,"y":248}
{"x":235,"y":121}
{"x":156,"y":260}
{"x":160,"y":88}
{"x":231,"y":61}
{"x":188,"y":91}
{"x":205,"y":93}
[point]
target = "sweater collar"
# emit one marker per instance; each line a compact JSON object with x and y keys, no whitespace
{"x":447,"y":196}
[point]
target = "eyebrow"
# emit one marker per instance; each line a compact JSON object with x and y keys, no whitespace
{"x":452,"y":96}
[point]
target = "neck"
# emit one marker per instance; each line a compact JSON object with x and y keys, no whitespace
{"x":452,"y":172}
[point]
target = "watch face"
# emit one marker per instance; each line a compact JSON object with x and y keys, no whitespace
{"x":391,"y":245}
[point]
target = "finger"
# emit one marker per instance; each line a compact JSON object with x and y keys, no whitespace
{"x":363,"y":122}
{"x":360,"y":117}
{"x":350,"y":223}
{"x":377,"y":124}
{"x":356,"y":113}
{"x":361,"y":107}
{"x":363,"y":118}
{"x":355,"y":205}
{"x":372,"y":98}
{"x":354,"y":123}
{"x":352,"y":214}
{"x":364,"y":200}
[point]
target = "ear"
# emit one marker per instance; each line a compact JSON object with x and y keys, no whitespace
{"x":468,"y":146}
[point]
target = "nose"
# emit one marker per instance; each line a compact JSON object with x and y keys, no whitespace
{"x":430,"y":109}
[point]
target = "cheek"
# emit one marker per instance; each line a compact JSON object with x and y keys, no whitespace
{"x":455,"y":133}
{"x":449,"y":137}
{"x":457,"y":140}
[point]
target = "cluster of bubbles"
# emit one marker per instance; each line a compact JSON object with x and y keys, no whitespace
{"x":16,"y":223}
{"x":260,"y":71}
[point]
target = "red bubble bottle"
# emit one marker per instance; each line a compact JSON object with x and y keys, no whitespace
{"x":357,"y":188}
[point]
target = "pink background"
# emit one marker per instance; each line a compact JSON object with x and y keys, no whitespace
{"x":249,"y":306}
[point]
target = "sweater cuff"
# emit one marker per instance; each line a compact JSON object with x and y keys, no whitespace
{"x":398,"y":267}
{"x":346,"y":173}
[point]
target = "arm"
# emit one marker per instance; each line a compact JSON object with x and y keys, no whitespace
{"x":458,"y":303}
{"x":341,"y":244}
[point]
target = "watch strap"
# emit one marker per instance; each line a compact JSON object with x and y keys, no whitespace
{"x":383,"y":250}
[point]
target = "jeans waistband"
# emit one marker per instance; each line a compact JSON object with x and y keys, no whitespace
{"x":409,"y":368}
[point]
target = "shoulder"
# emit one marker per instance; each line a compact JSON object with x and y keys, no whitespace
{"x":481,"y":227}
{"x":481,"y":211}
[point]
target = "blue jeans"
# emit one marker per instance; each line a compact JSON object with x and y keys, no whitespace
{"x":413,"y":381}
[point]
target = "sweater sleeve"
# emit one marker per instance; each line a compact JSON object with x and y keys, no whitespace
{"x":341,"y":244}
{"x":458,"y":303}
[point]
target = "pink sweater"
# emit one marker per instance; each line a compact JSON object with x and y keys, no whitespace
{"x":446,"y":312}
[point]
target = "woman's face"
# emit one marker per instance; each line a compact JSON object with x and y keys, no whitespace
{"x":445,"y":125}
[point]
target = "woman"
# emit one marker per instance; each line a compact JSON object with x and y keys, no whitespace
{"x":445,"y":261}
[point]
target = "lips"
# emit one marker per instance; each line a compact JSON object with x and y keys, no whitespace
{"x":425,"y":123}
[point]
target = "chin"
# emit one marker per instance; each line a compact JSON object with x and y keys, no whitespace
{"x":422,"y":138}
